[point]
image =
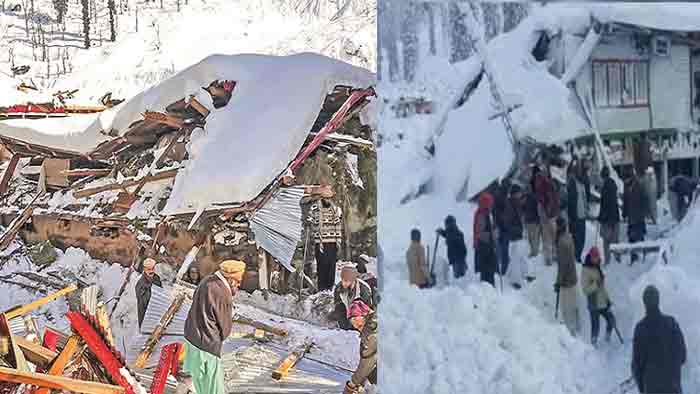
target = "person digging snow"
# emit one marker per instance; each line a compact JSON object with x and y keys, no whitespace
{"x":208,"y":324}
{"x":659,"y":351}
{"x":609,"y":215}
{"x":567,"y":279}
{"x":593,"y":286}
{"x":364,"y":319}
{"x":418,"y":272}
{"x":143,"y":287}
{"x":485,"y":262}
{"x":456,"y":249}
{"x":350,"y":288}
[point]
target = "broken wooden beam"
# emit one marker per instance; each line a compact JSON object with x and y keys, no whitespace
{"x":18,"y":222}
{"x":260,"y":325}
{"x":60,"y":363}
{"x":155,"y":336}
{"x":8,"y":173}
{"x":290,"y":361}
{"x":35,"y":353}
{"x":57,"y":382}
{"x":127,"y":183}
{"x":24,"y":309}
{"x":165,"y":119}
{"x":194,"y":103}
{"x":87,"y":172}
{"x":15,"y":356}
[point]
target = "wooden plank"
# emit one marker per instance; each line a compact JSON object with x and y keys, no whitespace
{"x":17,"y":223}
{"x":103,"y":320}
{"x":53,"y":169}
{"x":194,"y":103}
{"x":7,"y":175}
{"x":125,"y":184}
{"x":57,"y":382}
{"x":87,"y":172}
{"x":260,"y":325}
{"x":16,"y":356}
{"x":35,"y":353}
{"x":152,"y":341}
{"x":42,"y":301}
{"x":290,"y":361}
{"x":165,"y":119}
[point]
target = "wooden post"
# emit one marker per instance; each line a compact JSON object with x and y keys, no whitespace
{"x":7,"y":175}
{"x":57,"y":382}
{"x":152,"y":341}
{"x":11,"y":314}
{"x":290,"y":361}
{"x":260,"y":325}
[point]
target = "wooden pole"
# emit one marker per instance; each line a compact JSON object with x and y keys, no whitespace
{"x":152,"y":341}
{"x":11,"y":314}
{"x":260,"y":325}
{"x":290,"y":361}
{"x":57,"y":382}
{"x":7,"y":175}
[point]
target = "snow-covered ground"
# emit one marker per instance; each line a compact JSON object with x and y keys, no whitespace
{"x":467,"y":337}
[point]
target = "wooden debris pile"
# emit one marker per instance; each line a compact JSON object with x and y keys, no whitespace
{"x":108,"y":201}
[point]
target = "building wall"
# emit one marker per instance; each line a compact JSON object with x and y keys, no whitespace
{"x":669,"y":86}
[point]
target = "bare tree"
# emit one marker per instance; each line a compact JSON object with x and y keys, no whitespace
{"x":61,"y":7}
{"x":86,"y":22}
{"x":112,"y":23}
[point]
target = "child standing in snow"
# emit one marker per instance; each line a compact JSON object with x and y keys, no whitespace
{"x":593,"y":286}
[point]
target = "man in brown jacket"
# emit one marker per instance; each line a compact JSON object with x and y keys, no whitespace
{"x":415,"y":258}
{"x":208,"y":324}
{"x":567,"y":278}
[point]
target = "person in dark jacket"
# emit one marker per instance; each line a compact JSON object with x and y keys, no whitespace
{"x":456,"y":249}
{"x":350,"y":288}
{"x":485,"y":262}
{"x":532,"y":222}
{"x":578,"y":193}
{"x":681,"y":192}
{"x":633,"y":209}
{"x":209,"y":323}
{"x":609,"y":215}
{"x":517,"y":269}
{"x":567,"y":278}
{"x":193,"y":276}
{"x":501,"y":216}
{"x":659,"y":349}
{"x":143,"y":287}
{"x":364,"y":320}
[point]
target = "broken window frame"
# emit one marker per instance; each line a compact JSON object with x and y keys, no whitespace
{"x":611,"y":93}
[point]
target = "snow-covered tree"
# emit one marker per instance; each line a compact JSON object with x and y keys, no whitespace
{"x":86,"y":22}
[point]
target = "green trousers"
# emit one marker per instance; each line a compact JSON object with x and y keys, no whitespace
{"x":206,"y":370}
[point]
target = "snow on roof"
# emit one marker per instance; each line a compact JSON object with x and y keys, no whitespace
{"x":546,"y":113}
{"x":247,"y":143}
{"x":662,"y":16}
{"x":67,"y":133}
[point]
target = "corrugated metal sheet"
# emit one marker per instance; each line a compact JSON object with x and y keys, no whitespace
{"x":277,"y":225}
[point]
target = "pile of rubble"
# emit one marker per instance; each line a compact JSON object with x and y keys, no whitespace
{"x":109,"y":200}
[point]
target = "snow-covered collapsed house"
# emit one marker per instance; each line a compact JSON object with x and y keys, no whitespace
{"x":222,"y":157}
{"x":635,"y":74}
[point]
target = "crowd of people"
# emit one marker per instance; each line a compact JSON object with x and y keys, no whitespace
{"x":514,"y":223}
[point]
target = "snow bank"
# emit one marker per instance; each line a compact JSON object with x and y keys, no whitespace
{"x":470,"y":339}
{"x":275,"y":99}
{"x":69,"y":133}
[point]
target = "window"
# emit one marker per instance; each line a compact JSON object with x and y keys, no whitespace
{"x":620,"y":83}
